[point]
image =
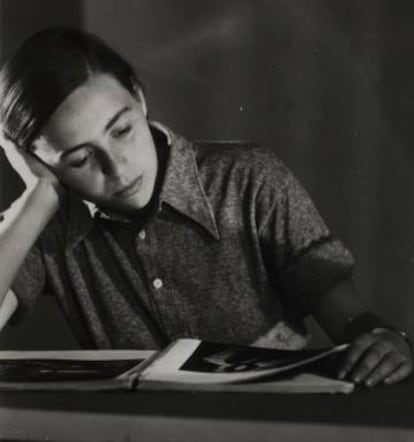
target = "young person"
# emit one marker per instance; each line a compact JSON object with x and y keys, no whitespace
{"x":144,"y":237}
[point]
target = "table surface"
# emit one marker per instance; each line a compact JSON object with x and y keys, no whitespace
{"x":27,"y":415}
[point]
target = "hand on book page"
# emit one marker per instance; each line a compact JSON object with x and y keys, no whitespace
{"x":204,"y":365}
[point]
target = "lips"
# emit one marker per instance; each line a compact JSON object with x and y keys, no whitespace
{"x":130,"y":189}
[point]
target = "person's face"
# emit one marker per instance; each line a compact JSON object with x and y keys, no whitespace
{"x":99,"y":145}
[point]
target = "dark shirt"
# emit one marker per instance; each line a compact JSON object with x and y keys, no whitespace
{"x":234,"y":251}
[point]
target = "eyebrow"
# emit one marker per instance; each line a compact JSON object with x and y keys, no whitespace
{"x":108,"y":126}
{"x":116,"y":117}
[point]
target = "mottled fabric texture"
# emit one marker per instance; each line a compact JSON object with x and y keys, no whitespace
{"x":235,"y":252}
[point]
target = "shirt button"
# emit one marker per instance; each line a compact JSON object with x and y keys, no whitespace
{"x":157,"y":283}
{"x":142,"y":235}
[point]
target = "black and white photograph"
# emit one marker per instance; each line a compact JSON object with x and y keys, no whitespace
{"x":204,"y":194}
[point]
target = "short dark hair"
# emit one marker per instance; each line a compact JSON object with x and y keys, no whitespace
{"x":47,"y":67}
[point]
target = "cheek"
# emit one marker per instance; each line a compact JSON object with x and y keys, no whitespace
{"x":148,"y":165}
{"x":142,"y":155}
{"x":82,"y":183}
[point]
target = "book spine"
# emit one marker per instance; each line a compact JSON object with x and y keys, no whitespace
{"x":146,"y":364}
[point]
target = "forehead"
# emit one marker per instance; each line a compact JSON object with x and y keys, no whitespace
{"x":84,"y":113}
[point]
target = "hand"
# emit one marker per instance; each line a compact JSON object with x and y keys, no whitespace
{"x":26,"y":164}
{"x":30,"y":168}
{"x":379,"y":356}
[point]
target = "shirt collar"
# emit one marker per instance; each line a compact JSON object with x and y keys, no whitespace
{"x":182,"y":190}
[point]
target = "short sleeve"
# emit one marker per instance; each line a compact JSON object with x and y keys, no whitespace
{"x":28,"y":284}
{"x":303,"y":259}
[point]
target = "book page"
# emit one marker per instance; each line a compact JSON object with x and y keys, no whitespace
{"x":83,"y":369}
{"x":193,"y":361}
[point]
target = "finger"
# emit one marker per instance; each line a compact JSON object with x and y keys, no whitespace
{"x":13,"y":155}
{"x":368,"y":361}
{"x":18,"y":160}
{"x":400,"y":373}
{"x":354,"y":353}
{"x":384,"y":368}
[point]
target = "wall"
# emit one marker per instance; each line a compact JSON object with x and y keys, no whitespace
{"x":325,"y":84}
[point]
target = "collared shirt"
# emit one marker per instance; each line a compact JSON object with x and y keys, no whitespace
{"x":234,"y":252}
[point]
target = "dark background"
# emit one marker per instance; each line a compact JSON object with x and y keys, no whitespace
{"x":327,"y":84}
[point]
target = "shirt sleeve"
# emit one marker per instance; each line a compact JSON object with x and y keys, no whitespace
{"x":28,"y":284}
{"x":304,"y":260}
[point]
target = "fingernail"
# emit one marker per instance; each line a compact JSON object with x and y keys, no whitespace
{"x":357,"y":379}
{"x":369,"y":382}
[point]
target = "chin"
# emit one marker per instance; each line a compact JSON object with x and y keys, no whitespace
{"x":137,"y":203}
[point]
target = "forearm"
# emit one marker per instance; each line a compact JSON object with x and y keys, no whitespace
{"x":337,"y":307}
{"x":20,"y":228}
{"x":7,"y":308}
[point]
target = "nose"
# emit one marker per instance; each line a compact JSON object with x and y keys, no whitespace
{"x":112,"y":164}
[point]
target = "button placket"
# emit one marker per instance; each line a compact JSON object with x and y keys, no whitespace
{"x":145,"y":248}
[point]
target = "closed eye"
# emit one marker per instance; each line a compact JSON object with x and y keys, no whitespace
{"x":77,"y":164}
{"x":121,"y":132}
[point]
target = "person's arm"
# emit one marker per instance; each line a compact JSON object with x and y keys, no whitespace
{"x":24,"y":221}
{"x":305,"y":261}
{"x":7,"y":308}
{"x":378,"y":353}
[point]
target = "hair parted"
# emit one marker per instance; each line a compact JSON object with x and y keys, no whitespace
{"x":46,"y":68}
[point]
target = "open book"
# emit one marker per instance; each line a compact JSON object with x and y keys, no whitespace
{"x":188,"y":364}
